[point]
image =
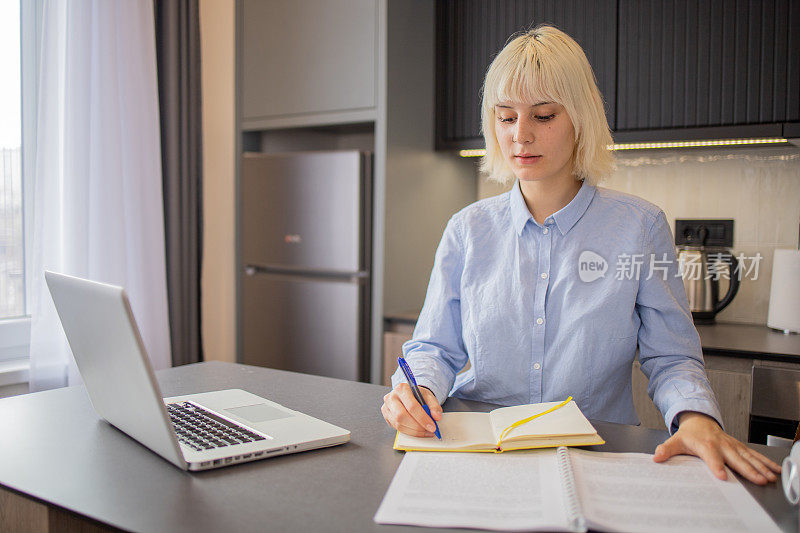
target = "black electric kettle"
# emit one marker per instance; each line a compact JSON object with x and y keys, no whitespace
{"x":704,"y":257}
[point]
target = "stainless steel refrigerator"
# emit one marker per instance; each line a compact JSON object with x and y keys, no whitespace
{"x":305,"y":234}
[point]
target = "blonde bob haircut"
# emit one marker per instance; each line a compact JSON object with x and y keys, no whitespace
{"x":547,"y":65}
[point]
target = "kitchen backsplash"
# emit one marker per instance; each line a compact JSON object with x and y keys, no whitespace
{"x":758,"y":188}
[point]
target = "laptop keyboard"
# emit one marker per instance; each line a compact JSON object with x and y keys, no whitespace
{"x":203,"y":430}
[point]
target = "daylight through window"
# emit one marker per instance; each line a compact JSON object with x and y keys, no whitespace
{"x":12,"y":269}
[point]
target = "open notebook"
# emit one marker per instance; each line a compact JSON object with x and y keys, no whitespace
{"x":558,"y":424}
{"x":568,"y":490}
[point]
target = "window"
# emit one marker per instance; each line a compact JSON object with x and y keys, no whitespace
{"x":12,"y":264}
{"x":14,"y":325}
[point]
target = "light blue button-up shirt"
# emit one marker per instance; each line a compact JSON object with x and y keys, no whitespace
{"x":546,"y":311}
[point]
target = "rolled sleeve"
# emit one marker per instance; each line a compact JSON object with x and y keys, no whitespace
{"x":436,"y":352}
{"x":669,"y":345}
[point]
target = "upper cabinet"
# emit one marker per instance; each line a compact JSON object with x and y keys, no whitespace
{"x":307,"y":62}
{"x":685,"y":64}
{"x":667,"y":69}
{"x":470,"y":33}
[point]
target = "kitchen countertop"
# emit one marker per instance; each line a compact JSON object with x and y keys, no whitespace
{"x":404,"y":317}
{"x":749,"y":340}
{"x":743,"y":340}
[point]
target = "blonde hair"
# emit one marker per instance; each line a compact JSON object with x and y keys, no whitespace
{"x":547,"y":65}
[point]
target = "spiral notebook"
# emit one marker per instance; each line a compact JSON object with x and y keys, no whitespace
{"x":568,"y":490}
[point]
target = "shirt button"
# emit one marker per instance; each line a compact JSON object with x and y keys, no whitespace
{"x":544,"y":275}
{"x":540,"y":321}
{"x":537,"y":366}
{"x":545,"y":231}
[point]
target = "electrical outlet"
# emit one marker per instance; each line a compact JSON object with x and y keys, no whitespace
{"x":708,"y":233}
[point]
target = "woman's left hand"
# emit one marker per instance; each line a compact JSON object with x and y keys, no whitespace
{"x":700,"y":435}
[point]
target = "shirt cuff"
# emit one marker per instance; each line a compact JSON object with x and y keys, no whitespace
{"x":705,"y":407}
{"x":438,"y":389}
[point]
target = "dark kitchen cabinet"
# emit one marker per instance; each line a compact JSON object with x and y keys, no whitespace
{"x":700,"y":63}
{"x":668,"y":69}
{"x":470,"y":33}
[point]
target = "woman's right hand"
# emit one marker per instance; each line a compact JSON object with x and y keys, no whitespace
{"x":404,"y":413}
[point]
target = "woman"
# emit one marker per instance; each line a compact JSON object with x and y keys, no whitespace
{"x":547,"y":290}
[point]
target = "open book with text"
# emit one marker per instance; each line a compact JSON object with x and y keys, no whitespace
{"x":567,"y":489}
{"x":553,"y":424}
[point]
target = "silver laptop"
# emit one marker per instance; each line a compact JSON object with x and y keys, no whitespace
{"x":194,"y":432}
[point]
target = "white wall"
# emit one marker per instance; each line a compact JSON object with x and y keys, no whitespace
{"x":758,"y":188}
{"x":218,"y":285}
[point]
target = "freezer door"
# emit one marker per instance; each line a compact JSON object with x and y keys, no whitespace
{"x":307,"y":211}
{"x":315,"y":326}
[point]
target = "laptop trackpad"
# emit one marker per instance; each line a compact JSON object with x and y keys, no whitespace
{"x":260,"y":412}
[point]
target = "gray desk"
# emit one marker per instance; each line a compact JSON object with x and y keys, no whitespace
{"x":56,"y":451}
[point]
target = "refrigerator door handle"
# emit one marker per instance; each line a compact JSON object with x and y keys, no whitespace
{"x":253,"y":270}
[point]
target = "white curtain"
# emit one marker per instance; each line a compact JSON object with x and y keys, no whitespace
{"x":96,"y":185}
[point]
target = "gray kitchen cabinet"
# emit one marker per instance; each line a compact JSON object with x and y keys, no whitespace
{"x":307,"y":62}
{"x":730,"y":379}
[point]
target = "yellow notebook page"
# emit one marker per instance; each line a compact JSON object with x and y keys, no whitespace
{"x":527,"y":419}
{"x":562,"y":418}
{"x":463,"y":430}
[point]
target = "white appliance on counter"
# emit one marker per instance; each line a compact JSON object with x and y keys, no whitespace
{"x":304,"y":245}
{"x":784,"y":294}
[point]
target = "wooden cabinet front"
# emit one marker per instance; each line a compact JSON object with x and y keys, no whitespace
{"x":729,"y":378}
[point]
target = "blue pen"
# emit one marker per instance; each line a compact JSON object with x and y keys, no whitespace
{"x":417,"y":394}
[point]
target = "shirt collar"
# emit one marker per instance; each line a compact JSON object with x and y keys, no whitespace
{"x":519,"y":211}
{"x":565,"y":218}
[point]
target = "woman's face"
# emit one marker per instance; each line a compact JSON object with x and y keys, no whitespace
{"x":537,"y":141}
